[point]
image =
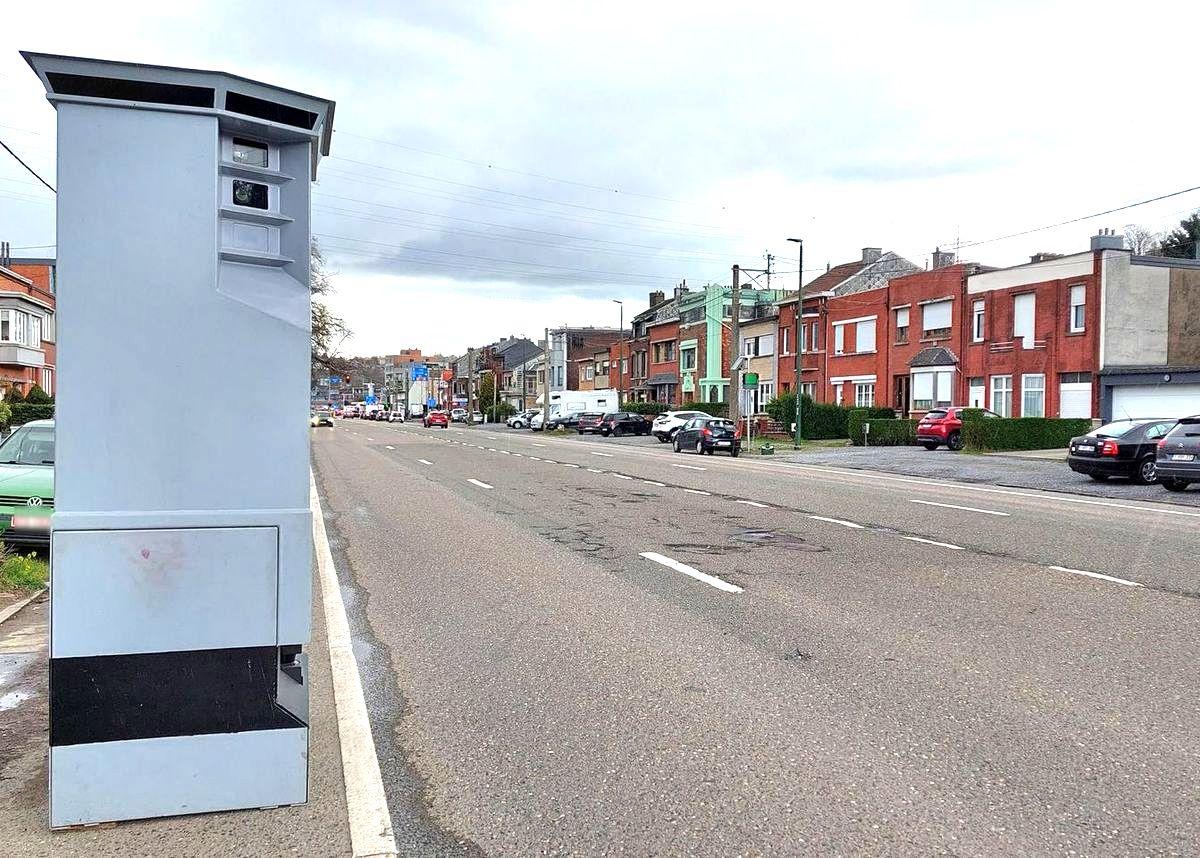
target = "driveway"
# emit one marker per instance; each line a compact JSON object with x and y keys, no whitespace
{"x":998,"y":469}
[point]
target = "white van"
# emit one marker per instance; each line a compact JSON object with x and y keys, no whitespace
{"x":564,"y":402}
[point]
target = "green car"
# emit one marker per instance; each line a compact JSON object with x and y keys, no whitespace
{"x":27,"y":485}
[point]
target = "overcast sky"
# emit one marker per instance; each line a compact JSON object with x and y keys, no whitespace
{"x":501,"y":167}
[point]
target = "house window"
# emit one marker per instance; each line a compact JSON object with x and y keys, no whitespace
{"x":935,"y":319}
{"x":1024,"y":307}
{"x":1077,"y":308}
{"x":977,"y":322}
{"x":975,"y":392}
{"x":902,"y":325}
{"x":766,"y":392}
{"x":837,"y":394}
{"x":589,"y":373}
{"x":864,"y":336}
{"x":687,"y":359}
{"x":932,"y":389}
{"x":664,"y":351}
{"x":784,"y":334}
{"x":864,"y":395}
{"x":815,"y":340}
{"x":839,"y":339}
{"x":48,"y":380}
{"x":624,"y":366}
{"x":809,"y":389}
{"x":1033,"y":395}
{"x":760,"y":346}
{"x":1002,"y":395}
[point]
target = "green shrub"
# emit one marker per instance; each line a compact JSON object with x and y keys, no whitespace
{"x":856,"y":417}
{"x":1021,"y":433}
{"x":819,"y":420}
{"x":37,"y":396}
{"x":14,"y":395}
{"x":716,"y":409}
{"x":651,"y":409}
{"x":499,"y":413}
{"x":22,"y":572}
{"x":970,"y":414}
{"x":23,"y":412}
{"x":891,"y":432}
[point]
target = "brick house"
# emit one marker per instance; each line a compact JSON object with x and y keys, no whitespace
{"x":28,"y":324}
{"x":662,"y":371}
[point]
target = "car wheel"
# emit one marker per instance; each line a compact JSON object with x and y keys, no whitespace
{"x":1174,"y":485}
{"x":735,"y":452}
{"x":930,"y":446}
{"x":617,"y":432}
{"x":699,"y":448}
{"x":954,"y":442}
{"x":663,"y":440}
{"x":1100,"y":478}
{"x":1145,"y":474}
{"x":676,"y":446}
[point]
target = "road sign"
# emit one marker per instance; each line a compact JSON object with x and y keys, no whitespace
{"x":750,"y":379}
{"x":419,"y":370}
{"x":430,"y":402}
{"x":370,"y":399}
{"x":335,"y":380}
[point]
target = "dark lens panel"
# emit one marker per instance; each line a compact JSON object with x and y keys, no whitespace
{"x":250,"y":194}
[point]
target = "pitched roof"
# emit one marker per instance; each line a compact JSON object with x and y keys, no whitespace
{"x":934,"y":356}
{"x":858,"y":276}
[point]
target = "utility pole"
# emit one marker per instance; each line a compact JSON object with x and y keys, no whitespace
{"x":770,"y":260}
{"x":470,"y":386}
{"x":799,"y":321}
{"x":546,"y":383}
{"x":735,"y":375}
{"x":620,"y":353}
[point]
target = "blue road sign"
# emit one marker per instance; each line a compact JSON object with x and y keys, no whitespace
{"x":335,"y":380}
{"x":371,"y":399}
{"x":430,"y":402}
{"x":419,"y":370}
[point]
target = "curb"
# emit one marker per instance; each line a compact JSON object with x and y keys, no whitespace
{"x":13,"y":610}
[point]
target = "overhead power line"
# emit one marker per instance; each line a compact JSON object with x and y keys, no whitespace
{"x":32,"y":171}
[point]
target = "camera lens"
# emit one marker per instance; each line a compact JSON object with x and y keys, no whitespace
{"x":250,"y":194}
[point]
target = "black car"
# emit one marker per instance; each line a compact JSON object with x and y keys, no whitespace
{"x":624,"y":423}
{"x":1123,"y":448}
{"x":1179,"y":455}
{"x":564,"y":421}
{"x":705,"y":434}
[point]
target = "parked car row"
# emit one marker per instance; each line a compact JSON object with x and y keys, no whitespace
{"x":381,"y":414}
{"x":1165,"y":451}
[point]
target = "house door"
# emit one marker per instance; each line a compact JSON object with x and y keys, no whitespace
{"x":900,"y":388}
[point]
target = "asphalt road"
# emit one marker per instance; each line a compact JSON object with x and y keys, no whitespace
{"x":584,"y":648}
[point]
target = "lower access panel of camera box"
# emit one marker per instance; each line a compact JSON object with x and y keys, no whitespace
{"x":170,"y":692}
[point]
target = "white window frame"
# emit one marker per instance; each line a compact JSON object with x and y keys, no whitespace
{"x":907,"y":317}
{"x":1021,"y":332}
{"x":839,"y":339}
{"x":837,"y":393}
{"x":864,"y":394}
{"x":48,"y":380}
{"x":1077,"y":305}
{"x":865,"y":326}
{"x":977,"y":322}
{"x":809,"y":389}
{"x":589,"y":373}
{"x":693,"y":350}
{"x":1033,"y":382}
{"x":784,"y":337}
{"x":925,"y":308}
{"x":1002,"y":385}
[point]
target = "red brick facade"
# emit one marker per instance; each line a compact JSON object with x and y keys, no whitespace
{"x":34,"y":284}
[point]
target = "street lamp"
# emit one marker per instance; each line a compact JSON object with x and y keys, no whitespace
{"x":620,"y":352}
{"x":796,"y":345}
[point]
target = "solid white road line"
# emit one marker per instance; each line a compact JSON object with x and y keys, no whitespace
{"x":690,"y":467}
{"x":425,"y":461}
{"x":476,"y":482}
{"x":711,"y":580}
{"x":655,"y":483}
{"x":933,"y":542}
{"x":1122,"y":581}
{"x":366,"y":802}
{"x":594,"y":471}
{"x":752,"y":503}
{"x":698,"y":492}
{"x":840,"y":521}
{"x":956,"y":506}
{"x":606,"y":455}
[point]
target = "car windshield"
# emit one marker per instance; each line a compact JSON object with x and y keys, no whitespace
{"x":720,"y":424}
{"x":29,"y":445}
{"x":1186,"y":429}
{"x":936,"y":414}
{"x":1114,"y":430}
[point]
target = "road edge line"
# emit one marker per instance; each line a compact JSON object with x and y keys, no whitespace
{"x":366,"y":802}
{"x":14,"y":609}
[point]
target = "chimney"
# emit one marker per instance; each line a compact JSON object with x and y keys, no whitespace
{"x":657,"y":298}
{"x":1044,"y":257}
{"x":942,"y":258}
{"x":871,"y":254}
{"x":1107,"y":239}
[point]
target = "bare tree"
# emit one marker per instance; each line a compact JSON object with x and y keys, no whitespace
{"x":1142,"y":241}
{"x":328,"y":330}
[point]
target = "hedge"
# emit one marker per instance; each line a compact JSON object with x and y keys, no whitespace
{"x":716,"y":409}
{"x":981,"y":434}
{"x":819,"y":420}
{"x":858,"y":416}
{"x":23,"y":412}
{"x":892,"y":433}
{"x":648,"y":408}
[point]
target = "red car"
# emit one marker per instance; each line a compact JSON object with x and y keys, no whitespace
{"x":590,"y":421}
{"x":944,"y":426}
{"x":437,"y":418}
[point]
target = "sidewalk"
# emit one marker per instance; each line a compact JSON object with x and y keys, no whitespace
{"x":317,"y":828}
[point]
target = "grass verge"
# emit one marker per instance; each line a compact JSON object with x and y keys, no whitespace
{"x":22,"y":573}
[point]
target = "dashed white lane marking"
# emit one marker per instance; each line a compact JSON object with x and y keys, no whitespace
{"x":505,"y":452}
{"x":655,"y":483}
{"x":698,"y":492}
{"x":622,"y":477}
{"x":594,"y":471}
{"x":518,"y":455}
{"x":690,"y":467}
{"x":369,"y":438}
{"x":933,"y":542}
{"x":536,"y":458}
{"x":752,"y":503}
{"x":390,"y":447}
{"x":840,"y":521}
{"x":492,"y":437}
{"x":1122,"y":581}
{"x":550,"y":461}
{"x":606,"y":455}
{"x":476,"y":482}
{"x":568,"y":465}
{"x":493,"y":450}
{"x":536,"y":444}
{"x":956,"y":506}
{"x":710,"y":580}
{"x":425,"y":461}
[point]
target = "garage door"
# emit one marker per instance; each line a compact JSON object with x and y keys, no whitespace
{"x":1155,"y":400}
